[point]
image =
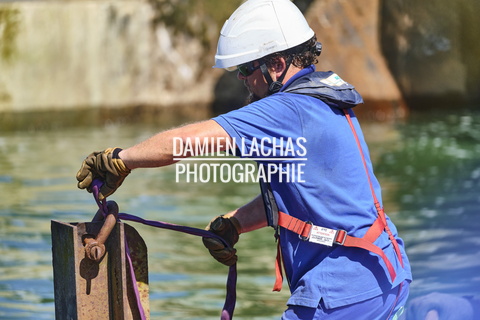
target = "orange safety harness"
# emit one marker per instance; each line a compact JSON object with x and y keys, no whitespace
{"x":326,"y":236}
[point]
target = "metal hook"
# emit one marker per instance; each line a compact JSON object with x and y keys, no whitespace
{"x":95,"y":247}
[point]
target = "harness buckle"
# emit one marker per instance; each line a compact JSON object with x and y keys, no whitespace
{"x":307,"y":237}
{"x":340,"y":237}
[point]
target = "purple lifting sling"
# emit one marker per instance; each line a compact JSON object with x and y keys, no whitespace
{"x":230,"y":299}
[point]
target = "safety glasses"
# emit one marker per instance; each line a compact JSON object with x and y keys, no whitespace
{"x":247,"y":69}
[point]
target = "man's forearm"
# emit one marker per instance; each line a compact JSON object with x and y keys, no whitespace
{"x":158,"y":150}
{"x":251,"y":216}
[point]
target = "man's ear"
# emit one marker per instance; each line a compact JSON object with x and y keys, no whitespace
{"x":279,"y":66}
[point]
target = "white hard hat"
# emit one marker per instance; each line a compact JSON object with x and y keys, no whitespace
{"x":259,"y":28}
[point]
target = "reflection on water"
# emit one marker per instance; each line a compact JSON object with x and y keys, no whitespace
{"x":435,"y":170}
{"x":430,"y":170}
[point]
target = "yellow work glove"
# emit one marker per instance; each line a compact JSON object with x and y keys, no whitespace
{"x":228,"y":228}
{"x":104,"y":165}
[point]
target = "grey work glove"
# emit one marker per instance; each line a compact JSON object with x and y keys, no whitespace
{"x":104,"y":165}
{"x":228,"y":228}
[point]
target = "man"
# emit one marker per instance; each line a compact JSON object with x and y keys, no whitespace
{"x":341,"y":254}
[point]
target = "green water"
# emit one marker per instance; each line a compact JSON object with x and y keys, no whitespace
{"x":429,"y":168}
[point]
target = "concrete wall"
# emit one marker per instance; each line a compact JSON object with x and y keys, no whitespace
{"x":433,"y":50}
{"x":92,"y":54}
{"x":58,"y":55}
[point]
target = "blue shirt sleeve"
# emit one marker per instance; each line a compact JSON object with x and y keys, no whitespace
{"x":270,"y":128}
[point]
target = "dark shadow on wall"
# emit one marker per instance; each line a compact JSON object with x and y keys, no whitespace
{"x":303,"y":5}
{"x":432,"y":51}
{"x":230,"y":93}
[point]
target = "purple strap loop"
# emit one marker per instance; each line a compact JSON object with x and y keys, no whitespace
{"x":230,"y":299}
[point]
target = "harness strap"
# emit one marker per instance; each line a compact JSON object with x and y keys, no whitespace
{"x":367,"y":245}
{"x":278,"y":269}
{"x":294,"y":224}
{"x":380,"y":212}
{"x":304,"y":229}
{"x":341,"y":238}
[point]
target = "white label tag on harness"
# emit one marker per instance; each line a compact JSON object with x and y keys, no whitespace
{"x":322,"y":235}
{"x":334,"y":80}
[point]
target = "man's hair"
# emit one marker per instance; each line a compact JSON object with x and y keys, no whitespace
{"x":302,"y":56}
